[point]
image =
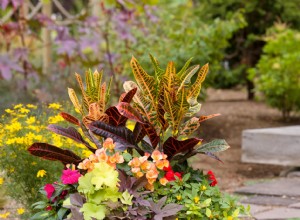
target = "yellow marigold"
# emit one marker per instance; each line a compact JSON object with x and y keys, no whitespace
{"x":55,"y":106}
{"x":13,"y":127}
{"x":55,"y":119}
{"x":18,"y":106}
{"x":1,"y":180}
{"x":20,"y":211}
{"x":31,"y":120}
{"x":41,"y":173}
{"x":31,"y":106}
{"x":196,"y":199}
{"x":203,"y":188}
{"x":4,"y":215}
{"x":9,"y":111}
{"x":24,"y":110}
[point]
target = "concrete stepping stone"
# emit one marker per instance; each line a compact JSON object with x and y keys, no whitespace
{"x":289,"y":187}
{"x":278,"y":146}
{"x":271,"y":200}
{"x":278,"y":213}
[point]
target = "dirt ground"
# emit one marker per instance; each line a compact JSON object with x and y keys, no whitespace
{"x":237,"y":114}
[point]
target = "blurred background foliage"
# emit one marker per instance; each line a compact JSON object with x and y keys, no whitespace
{"x":44,"y":42}
{"x":250,"y":44}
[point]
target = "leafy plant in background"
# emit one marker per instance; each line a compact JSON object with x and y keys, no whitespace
{"x":277,"y":73}
{"x":129,"y":162}
{"x":20,"y":126}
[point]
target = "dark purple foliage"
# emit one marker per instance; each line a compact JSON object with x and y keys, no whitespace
{"x":7,"y":65}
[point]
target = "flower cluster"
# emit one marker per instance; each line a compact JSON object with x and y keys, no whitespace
{"x":141,"y":166}
{"x":105,"y":154}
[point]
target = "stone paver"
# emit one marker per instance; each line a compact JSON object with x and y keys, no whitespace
{"x":278,"y":213}
{"x":289,"y":187}
{"x":275,"y":199}
{"x":279,"y":146}
{"x":270,"y":200}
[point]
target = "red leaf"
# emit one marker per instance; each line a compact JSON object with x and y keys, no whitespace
{"x":151,"y":133}
{"x":206,"y":117}
{"x":70,"y":118}
{"x":115,"y":118}
{"x":172,"y":146}
{"x":128,"y":96}
{"x":129,"y":112}
{"x":50,"y":152}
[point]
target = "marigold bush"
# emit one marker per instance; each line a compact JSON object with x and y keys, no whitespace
{"x":23,"y":174}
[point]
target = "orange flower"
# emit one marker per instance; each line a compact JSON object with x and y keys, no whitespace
{"x":161,"y":164}
{"x":118,"y":158}
{"x":149,"y":186}
{"x":135,"y":169}
{"x":135,"y":162}
{"x":146,"y":165}
{"x":152,"y":174}
{"x":156,"y":155}
{"x":102,"y":155}
{"x":163,"y":181}
{"x":139,"y":174}
{"x":109,"y":144}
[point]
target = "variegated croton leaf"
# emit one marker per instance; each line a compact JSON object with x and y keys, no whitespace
{"x":50,"y":152}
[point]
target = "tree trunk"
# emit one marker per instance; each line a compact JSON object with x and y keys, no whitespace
{"x":46,"y":37}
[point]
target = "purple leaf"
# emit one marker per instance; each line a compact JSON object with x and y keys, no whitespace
{"x":7,"y":65}
{"x":4,"y":4}
{"x":16,"y":3}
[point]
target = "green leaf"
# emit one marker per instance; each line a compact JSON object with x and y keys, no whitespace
{"x":208,"y":212}
{"x":126,"y":198}
{"x":91,"y":211}
{"x":85,"y":184}
{"x":217,"y":145}
{"x":104,"y":175}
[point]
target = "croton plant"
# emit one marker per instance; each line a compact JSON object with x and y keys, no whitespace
{"x":138,"y":167}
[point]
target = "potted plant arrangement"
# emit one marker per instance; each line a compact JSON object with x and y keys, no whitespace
{"x":138,"y":167}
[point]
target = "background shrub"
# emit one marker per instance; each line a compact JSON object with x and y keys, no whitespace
{"x":278,"y":70}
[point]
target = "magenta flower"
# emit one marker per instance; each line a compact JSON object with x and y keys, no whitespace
{"x":49,"y":188}
{"x":70,"y":176}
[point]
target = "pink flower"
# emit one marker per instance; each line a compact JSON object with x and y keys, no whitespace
{"x":70,"y":176}
{"x":49,"y":188}
{"x":212,"y":178}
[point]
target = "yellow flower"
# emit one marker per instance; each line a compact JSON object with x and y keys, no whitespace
{"x":18,"y":106}
{"x":55,"y":119}
{"x":178,"y":197}
{"x":9,"y":111}
{"x":229,"y":218}
{"x":55,"y":106}
{"x":31,"y":120}
{"x":34,"y":163}
{"x":20,"y":211}
{"x":41,"y":173}
{"x":4,"y":215}
{"x":24,"y":110}
{"x":1,"y":180}
{"x":203,"y":188}
{"x":15,"y":126}
{"x":196,"y":199}
{"x":31,"y":106}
